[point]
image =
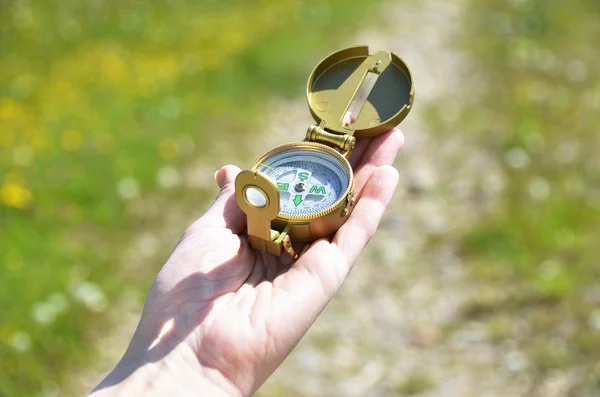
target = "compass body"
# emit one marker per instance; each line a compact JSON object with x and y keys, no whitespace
{"x":315,"y":184}
{"x":302,"y":191}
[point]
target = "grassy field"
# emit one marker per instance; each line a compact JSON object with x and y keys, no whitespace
{"x":101,"y":104}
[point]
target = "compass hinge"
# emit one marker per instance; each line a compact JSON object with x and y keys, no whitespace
{"x":279,"y":243}
{"x":344,"y":142}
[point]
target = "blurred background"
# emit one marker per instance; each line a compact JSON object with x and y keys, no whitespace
{"x":484,"y":278}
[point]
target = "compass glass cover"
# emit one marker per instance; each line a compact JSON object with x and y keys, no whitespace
{"x":308,"y":181}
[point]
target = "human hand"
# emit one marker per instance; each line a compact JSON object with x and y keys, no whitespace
{"x":221,"y":316}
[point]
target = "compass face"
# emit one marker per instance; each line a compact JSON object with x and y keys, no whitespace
{"x":309,"y":181}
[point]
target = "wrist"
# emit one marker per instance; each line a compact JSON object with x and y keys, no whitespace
{"x":171,"y":375}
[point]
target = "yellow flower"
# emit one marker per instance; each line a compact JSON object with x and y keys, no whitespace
{"x":15,"y":195}
{"x":71,"y":140}
{"x":6,"y":137}
{"x":11,"y":109}
{"x":113,"y":67}
{"x":40,"y":141}
{"x":6,"y":333}
{"x":168,"y":149}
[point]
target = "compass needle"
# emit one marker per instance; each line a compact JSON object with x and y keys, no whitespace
{"x":264,"y":165}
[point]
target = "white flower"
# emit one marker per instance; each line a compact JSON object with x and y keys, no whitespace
{"x":128,"y":188}
{"x":20,"y":341}
{"x":91,"y":295}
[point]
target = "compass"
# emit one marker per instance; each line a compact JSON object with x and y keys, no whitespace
{"x":302,"y":191}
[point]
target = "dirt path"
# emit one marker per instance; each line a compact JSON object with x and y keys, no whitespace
{"x":387,"y":331}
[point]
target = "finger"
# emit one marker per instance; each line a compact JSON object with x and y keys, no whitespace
{"x":359,"y":151}
{"x":361,"y":145}
{"x":226,"y":175}
{"x":354,"y":235}
{"x":381,"y":151}
{"x":224,"y":212}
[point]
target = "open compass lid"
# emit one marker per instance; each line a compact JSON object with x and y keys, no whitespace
{"x":352,"y":92}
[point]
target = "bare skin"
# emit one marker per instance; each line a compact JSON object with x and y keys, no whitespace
{"x":221,"y":317}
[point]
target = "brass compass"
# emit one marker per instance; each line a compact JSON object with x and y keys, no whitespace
{"x":302,"y":191}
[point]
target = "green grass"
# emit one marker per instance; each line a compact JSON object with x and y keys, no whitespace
{"x":97,"y":98}
{"x":533,"y":102}
{"x":413,"y":385}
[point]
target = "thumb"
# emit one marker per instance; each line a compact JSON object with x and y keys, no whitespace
{"x":225,"y":177}
{"x":224,"y":212}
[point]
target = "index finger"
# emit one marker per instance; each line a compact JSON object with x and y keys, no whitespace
{"x":380,"y":151}
{"x":354,"y":235}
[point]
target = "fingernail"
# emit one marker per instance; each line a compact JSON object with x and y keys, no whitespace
{"x":216,"y":173}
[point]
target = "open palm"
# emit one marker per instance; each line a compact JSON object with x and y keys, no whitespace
{"x":233,"y":313}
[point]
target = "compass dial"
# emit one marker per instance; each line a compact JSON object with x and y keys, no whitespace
{"x":309,"y":181}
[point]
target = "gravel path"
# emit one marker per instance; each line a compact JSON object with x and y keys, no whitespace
{"x":387,"y":332}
